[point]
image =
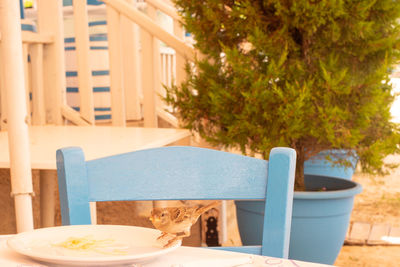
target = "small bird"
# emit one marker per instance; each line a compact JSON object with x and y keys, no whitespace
{"x":177,"y":221}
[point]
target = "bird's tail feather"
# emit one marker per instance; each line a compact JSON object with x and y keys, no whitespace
{"x":213,"y":204}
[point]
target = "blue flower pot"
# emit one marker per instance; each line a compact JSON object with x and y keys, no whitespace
{"x":319,"y":165}
{"x":319,"y":221}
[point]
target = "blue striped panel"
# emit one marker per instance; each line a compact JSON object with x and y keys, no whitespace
{"x":92,"y":38}
{"x":102,"y":117}
{"x":96,"y":23}
{"x":28,"y":27}
{"x":98,"y":37}
{"x":70,"y":48}
{"x":99,"y":89}
{"x":102,"y":109}
{"x":69,"y":40}
{"x":89,"y":2}
{"x":95,"y":109}
{"x":98,"y":47}
{"x":72,"y":90}
{"x":71,"y":73}
{"x":100,"y":72}
{"x":94,"y":73}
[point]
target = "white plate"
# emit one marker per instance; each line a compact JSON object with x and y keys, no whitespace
{"x":114,"y":245}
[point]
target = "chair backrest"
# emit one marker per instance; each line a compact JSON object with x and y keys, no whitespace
{"x":182,"y":173}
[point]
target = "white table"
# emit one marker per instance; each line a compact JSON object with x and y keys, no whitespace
{"x":181,"y":257}
{"x":96,"y":142}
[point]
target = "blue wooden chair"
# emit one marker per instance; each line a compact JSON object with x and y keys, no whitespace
{"x":182,"y":173}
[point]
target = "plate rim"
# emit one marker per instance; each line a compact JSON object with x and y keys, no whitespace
{"x":83,"y":259}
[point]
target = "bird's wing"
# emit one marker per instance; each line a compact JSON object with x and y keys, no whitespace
{"x":180,"y":214}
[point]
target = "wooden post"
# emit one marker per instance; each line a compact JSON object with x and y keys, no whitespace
{"x":50,"y":21}
{"x":85,"y":83}
{"x":18,"y":137}
{"x":38,"y":104}
{"x":25,"y":54}
{"x":3,"y":102}
{"x":180,"y":60}
{"x":131,"y":65}
{"x":150,"y":73}
{"x":164,"y":59}
{"x":116,"y":71}
{"x":167,"y":74}
{"x":170,"y":72}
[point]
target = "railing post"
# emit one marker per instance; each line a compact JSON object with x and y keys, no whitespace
{"x":25,"y":54}
{"x":167,"y":56}
{"x":50,"y":21}
{"x":150,"y":73}
{"x":3,"y":102}
{"x":170,"y":71}
{"x":38,"y":105}
{"x":85,"y":83}
{"x":116,"y":71}
{"x":131,"y":63}
{"x":180,"y":74}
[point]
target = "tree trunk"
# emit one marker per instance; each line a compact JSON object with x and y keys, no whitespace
{"x":299,"y":178}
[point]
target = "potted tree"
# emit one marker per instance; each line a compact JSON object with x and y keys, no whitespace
{"x":311,"y":75}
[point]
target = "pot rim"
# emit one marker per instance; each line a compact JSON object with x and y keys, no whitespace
{"x":341,"y":193}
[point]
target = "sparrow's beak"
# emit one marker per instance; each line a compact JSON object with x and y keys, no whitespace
{"x":155,"y":220}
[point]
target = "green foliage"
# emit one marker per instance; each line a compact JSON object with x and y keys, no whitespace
{"x":307,"y":74}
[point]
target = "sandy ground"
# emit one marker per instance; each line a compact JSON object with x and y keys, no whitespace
{"x":369,"y":256}
{"x":378,"y":203}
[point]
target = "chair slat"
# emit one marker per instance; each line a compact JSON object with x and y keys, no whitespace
{"x":177,"y":173}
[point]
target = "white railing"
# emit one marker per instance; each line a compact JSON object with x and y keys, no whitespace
{"x":138,"y":64}
{"x":44,"y":82}
{"x":151,"y":33}
{"x":168,"y":66}
{"x":45,"y":71}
